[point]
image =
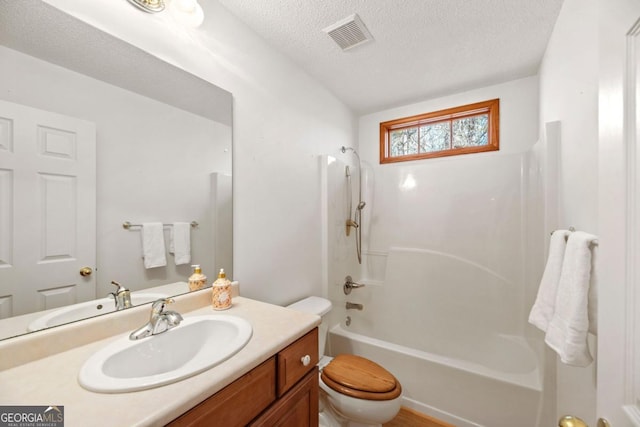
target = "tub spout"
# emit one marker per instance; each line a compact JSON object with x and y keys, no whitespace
{"x":354,"y":306}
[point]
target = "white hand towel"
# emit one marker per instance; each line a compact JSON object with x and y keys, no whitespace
{"x":569,"y":327}
{"x":180,"y":242}
{"x":544,"y":307}
{"x":153,"y":245}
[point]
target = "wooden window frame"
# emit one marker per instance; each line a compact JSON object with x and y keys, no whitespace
{"x":491,"y":107}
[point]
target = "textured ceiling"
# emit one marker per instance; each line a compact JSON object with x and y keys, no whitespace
{"x":40,"y":30}
{"x":421,"y":48}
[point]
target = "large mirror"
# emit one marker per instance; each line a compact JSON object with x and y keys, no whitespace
{"x":95,"y":133}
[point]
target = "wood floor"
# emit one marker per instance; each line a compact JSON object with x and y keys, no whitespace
{"x":408,"y":417}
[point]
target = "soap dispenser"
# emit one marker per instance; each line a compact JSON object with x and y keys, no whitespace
{"x":122,"y":296}
{"x":221,"y":292}
{"x":197,"y":280}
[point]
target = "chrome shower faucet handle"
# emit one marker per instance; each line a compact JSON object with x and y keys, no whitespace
{"x":349,"y":284}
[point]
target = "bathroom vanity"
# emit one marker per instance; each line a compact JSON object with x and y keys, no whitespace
{"x":268,"y":382}
{"x":281,"y":391}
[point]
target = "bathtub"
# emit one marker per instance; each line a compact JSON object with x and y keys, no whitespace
{"x":499,"y":388}
{"x":450,"y":329}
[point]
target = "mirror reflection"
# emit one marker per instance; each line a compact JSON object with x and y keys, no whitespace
{"x":95,"y":133}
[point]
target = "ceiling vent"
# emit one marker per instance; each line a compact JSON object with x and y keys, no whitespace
{"x":349,"y":32}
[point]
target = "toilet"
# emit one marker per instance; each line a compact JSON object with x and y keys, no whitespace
{"x":354,"y":391}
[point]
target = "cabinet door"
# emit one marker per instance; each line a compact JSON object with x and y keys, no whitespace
{"x":236,"y":404}
{"x":298,"y":408}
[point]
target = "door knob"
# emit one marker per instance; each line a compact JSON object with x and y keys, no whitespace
{"x":86,"y":271}
{"x":571,"y":421}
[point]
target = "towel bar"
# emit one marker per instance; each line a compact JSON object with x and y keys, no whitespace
{"x":127,"y":225}
{"x":594,"y":242}
{"x":571,"y":229}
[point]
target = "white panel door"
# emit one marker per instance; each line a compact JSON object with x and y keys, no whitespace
{"x":47,"y":209}
{"x":618,"y":357}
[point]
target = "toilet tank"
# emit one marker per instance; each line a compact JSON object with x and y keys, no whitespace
{"x":319,"y":306}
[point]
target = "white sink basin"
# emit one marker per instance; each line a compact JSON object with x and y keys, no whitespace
{"x":87,"y":309}
{"x":197,"y":344}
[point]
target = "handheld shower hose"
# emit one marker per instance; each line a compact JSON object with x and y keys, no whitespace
{"x":356,"y":222}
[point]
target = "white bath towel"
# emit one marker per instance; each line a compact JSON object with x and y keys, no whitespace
{"x":153,"y":250}
{"x":569,"y":326}
{"x":180,"y":242}
{"x":544,"y":307}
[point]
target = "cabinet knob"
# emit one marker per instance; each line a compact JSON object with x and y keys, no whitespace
{"x":306,"y":360}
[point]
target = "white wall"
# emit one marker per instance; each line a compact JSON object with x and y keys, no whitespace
{"x":518,"y":116}
{"x":153,"y":163}
{"x":469,"y":205}
{"x":569,"y":94}
{"x":282,"y":121}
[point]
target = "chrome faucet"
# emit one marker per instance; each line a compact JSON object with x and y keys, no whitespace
{"x":349,"y":284}
{"x":122,"y":296}
{"x":160,"y":321}
{"x":353,"y":305}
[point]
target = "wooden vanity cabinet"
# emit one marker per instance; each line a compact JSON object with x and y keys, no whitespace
{"x":236,"y":404}
{"x":298,"y":407}
{"x":282,"y":391}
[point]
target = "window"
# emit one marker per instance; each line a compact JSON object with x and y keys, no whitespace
{"x":472,"y":128}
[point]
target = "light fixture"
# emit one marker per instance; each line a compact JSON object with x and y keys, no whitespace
{"x":187,"y":12}
{"x":151,"y":6}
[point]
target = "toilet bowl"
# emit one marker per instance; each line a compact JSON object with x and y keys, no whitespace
{"x":354,"y":391}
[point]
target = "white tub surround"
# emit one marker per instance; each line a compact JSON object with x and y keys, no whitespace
{"x":445,"y":271}
{"x":51,"y":376}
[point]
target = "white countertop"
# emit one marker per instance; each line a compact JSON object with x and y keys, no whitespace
{"x":52,"y":379}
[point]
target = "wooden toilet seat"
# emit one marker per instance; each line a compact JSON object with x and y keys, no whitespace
{"x":361,"y":378}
